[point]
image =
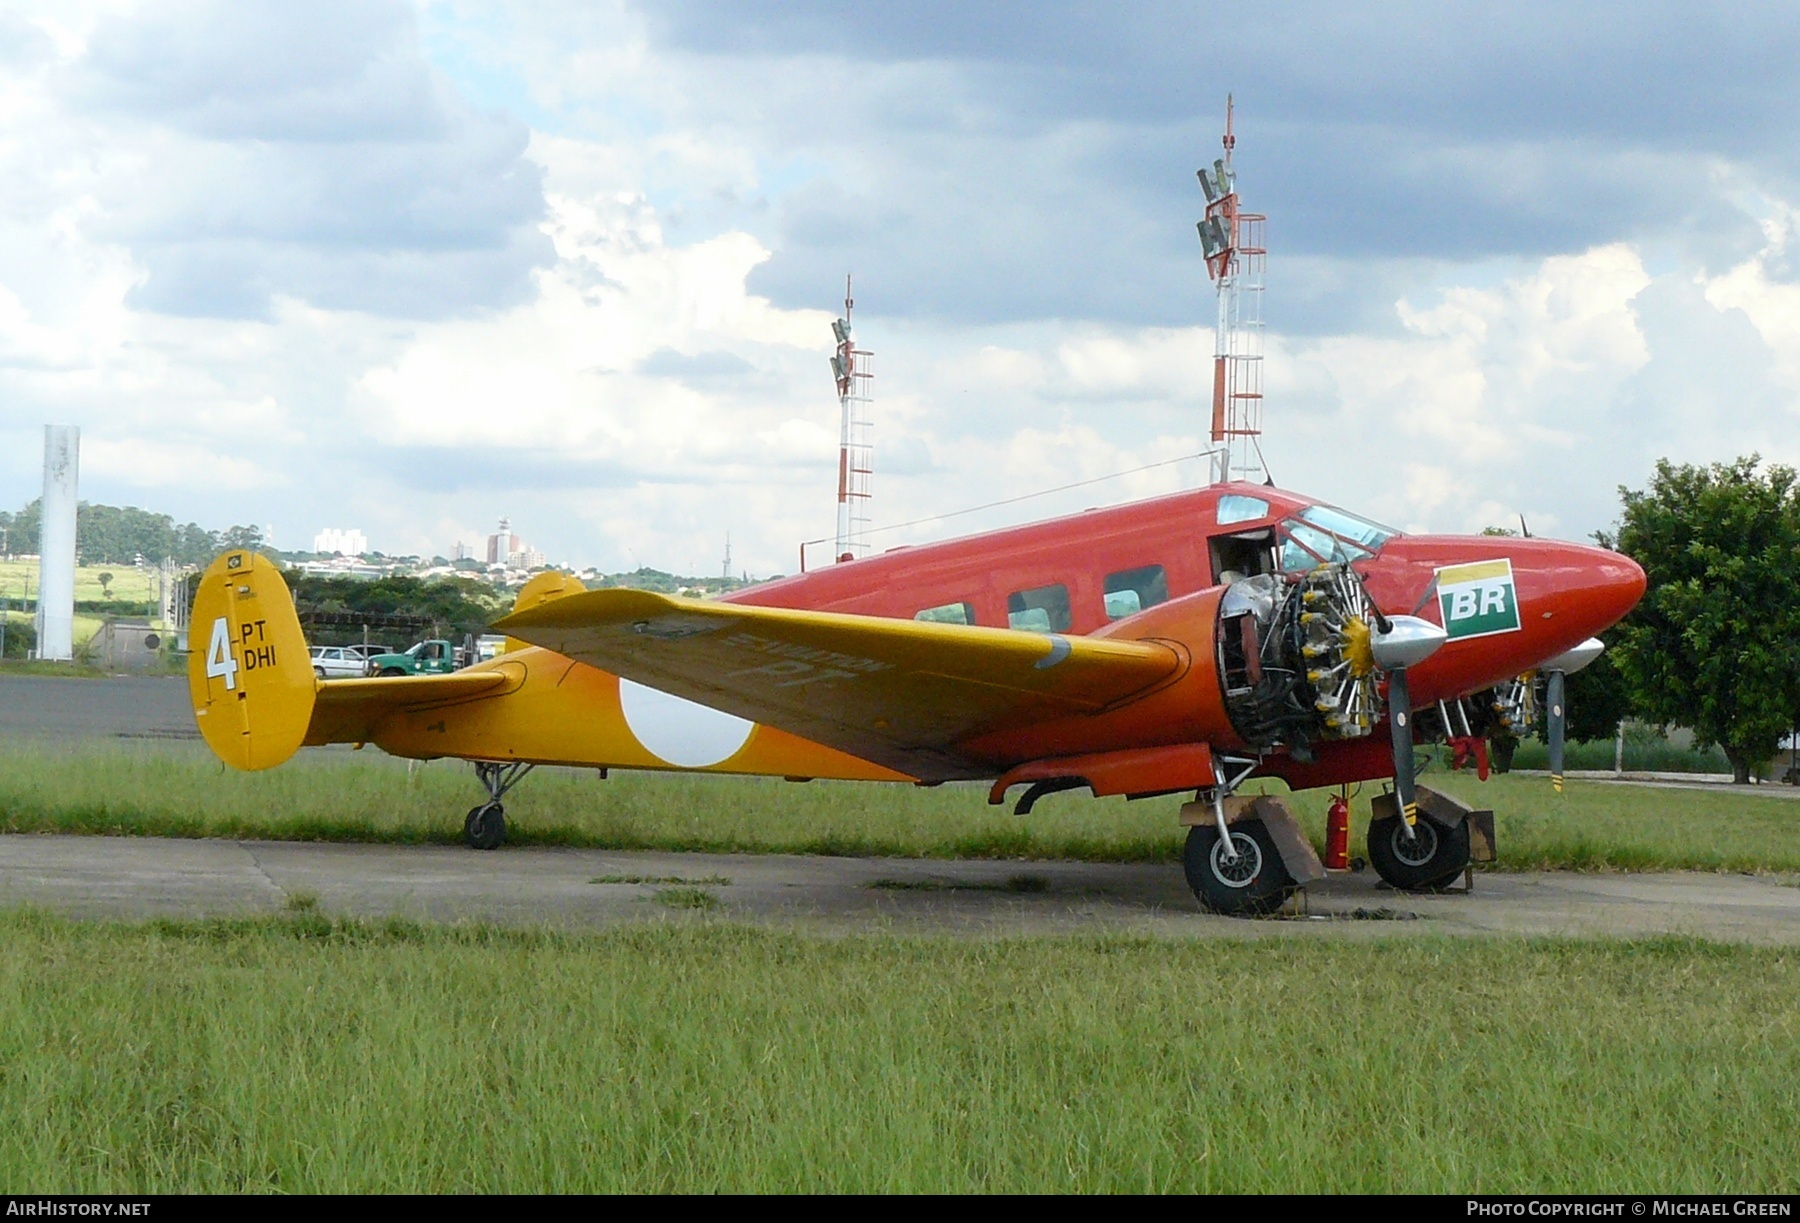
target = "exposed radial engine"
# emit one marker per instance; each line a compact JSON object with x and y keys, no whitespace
{"x":1295,"y":658}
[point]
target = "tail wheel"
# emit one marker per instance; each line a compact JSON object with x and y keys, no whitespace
{"x":1250,"y":882}
{"x":485,"y":826}
{"x":1432,"y":857}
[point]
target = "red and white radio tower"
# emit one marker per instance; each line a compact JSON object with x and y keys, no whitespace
{"x":1233,"y":243}
{"x":855,"y":369}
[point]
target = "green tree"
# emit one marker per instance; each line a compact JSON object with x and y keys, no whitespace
{"x":1600,"y":697}
{"x":248,"y":538}
{"x":23,"y":528}
{"x":111,"y":535}
{"x":456,"y":606}
{"x":1715,"y":645}
{"x":195,"y":545}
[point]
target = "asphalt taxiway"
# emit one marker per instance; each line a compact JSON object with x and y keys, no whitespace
{"x":143,"y":877}
{"x":46,"y":707}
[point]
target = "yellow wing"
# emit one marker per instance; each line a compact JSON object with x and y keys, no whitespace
{"x":901,"y":693}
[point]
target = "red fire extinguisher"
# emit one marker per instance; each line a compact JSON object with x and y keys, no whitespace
{"x":1337,"y":834}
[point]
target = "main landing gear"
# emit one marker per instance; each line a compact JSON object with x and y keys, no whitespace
{"x":1246,"y":880}
{"x":1244,"y":856}
{"x":485,"y":826}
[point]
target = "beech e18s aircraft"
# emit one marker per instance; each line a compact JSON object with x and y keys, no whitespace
{"x":1190,"y":642}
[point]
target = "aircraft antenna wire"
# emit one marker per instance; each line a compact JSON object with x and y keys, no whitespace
{"x":1061,"y":488}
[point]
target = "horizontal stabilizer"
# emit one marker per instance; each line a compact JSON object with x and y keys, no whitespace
{"x":349,"y":710}
{"x":901,"y":693}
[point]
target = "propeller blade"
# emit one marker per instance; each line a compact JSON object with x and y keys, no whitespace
{"x":1400,"y":723}
{"x":1400,"y":642}
{"x":1554,"y":701}
{"x":1556,"y":673}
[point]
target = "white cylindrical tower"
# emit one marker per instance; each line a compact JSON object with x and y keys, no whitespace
{"x":56,"y":543}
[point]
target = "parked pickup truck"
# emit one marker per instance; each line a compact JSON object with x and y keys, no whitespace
{"x":424,"y":658}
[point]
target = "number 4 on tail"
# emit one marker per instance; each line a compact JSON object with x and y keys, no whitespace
{"x":219,"y":661}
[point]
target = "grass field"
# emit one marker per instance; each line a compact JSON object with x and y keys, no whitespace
{"x":61,"y":670}
{"x":305,"y":1056}
{"x":19,"y":580}
{"x":179,"y":790}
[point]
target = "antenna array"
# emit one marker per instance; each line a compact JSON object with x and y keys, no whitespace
{"x":1232,"y":241}
{"x":854,"y":369}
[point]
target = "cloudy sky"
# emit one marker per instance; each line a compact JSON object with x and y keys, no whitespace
{"x":411,"y":266}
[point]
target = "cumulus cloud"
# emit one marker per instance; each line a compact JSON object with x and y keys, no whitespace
{"x":248,"y":151}
{"x":415,"y":267}
{"x":1014,"y":163}
{"x":1542,"y":394}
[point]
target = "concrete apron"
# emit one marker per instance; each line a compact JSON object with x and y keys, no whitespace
{"x":136,"y":878}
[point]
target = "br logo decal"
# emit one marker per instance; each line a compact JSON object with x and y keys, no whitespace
{"x":1478,"y":599}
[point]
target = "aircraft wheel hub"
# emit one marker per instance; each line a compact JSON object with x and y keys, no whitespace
{"x":1421,"y":848}
{"x":1239,"y":871}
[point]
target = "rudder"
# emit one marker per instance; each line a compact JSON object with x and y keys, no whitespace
{"x":548,"y":585}
{"x":249,"y":673}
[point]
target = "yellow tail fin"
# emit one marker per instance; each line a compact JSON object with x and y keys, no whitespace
{"x":548,"y":585}
{"x":249,"y":673}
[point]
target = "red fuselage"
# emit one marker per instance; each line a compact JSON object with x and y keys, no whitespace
{"x":1157,"y":569}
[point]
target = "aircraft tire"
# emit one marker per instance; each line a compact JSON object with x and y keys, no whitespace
{"x":1436,"y":861}
{"x":1254,"y":886}
{"x":485,"y":826}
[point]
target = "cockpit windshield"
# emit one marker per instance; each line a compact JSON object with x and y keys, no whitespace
{"x":1320,"y":535}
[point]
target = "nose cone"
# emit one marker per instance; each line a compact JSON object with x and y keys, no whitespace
{"x":1570,"y":592}
{"x":1598,"y":588}
{"x":1506,"y":604}
{"x":1563,"y":590}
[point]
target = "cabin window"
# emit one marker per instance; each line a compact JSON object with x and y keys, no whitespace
{"x":1236,"y":508}
{"x":1042,"y":609}
{"x":948,"y":613}
{"x":1130,"y":592}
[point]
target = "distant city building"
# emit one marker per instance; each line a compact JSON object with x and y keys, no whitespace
{"x":503,"y":544}
{"x":524,"y":558}
{"x":345,"y":543}
{"x":462,"y":552}
{"x":345,"y":567}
